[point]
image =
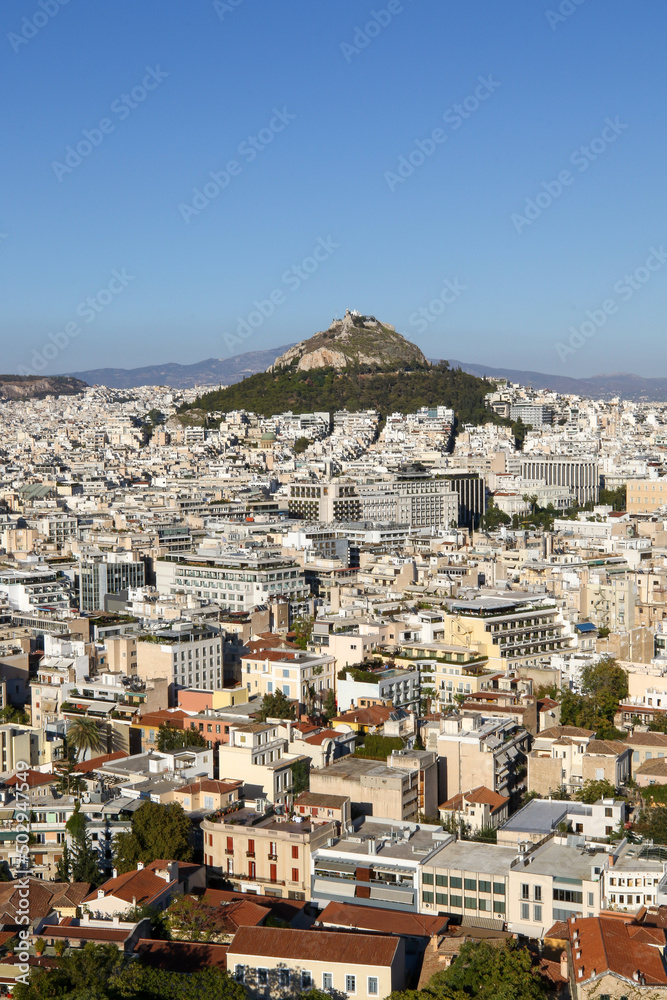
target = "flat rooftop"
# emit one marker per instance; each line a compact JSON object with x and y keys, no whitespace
{"x":374,"y":838}
{"x":467,"y":855}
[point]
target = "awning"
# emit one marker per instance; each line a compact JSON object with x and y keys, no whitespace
{"x":392,"y":895}
{"x":327,"y":888}
{"x":336,"y":866}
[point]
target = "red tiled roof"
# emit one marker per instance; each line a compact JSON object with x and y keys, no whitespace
{"x":31,"y":778}
{"x":209,"y":785}
{"x":86,"y":766}
{"x":374,"y":715}
{"x":319,"y":738}
{"x":619,"y":946}
{"x":480,"y":794}
{"x":371,"y":918}
{"x":181,"y":956}
{"x":298,"y":945}
{"x":138,"y":887}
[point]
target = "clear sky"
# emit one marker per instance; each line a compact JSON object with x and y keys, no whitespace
{"x":317,"y":118}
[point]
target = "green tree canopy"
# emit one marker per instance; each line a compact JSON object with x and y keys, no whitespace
{"x":158,"y":831}
{"x":594,"y":790}
{"x":276,"y":706}
{"x":86,"y":735}
{"x":171,"y":738}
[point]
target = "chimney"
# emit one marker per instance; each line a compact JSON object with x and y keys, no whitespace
{"x":140,"y":866}
{"x":612,"y":860}
{"x":115,"y":873}
{"x":372,"y":846}
{"x":563,"y":964}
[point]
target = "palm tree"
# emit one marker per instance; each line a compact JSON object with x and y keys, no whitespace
{"x":85,"y":735}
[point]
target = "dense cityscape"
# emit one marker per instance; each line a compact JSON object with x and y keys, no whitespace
{"x":349,"y":702}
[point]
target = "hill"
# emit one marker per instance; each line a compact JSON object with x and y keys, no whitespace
{"x":351,"y":341}
{"x":212,"y":371}
{"x":39,"y":386}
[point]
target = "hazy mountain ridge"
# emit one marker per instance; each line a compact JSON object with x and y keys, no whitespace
{"x":623,"y":384}
{"x":212,"y":371}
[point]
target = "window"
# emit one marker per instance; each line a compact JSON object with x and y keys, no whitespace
{"x":537,"y":914}
{"x":442,"y":898}
{"x":456,"y":883}
{"x":283,"y":977}
{"x":538,"y":894}
{"x":499,"y":889}
{"x":499,"y":906}
{"x":350,"y":984}
{"x":470,"y":903}
{"x":262,"y":977}
{"x":306,"y":980}
{"x":427,"y":878}
{"x":484,"y":886}
{"x":295,"y":874}
{"x":456,"y":901}
{"x":441,"y":880}
{"x":568,"y":896}
{"x":373,"y":986}
{"x":327,"y":980}
{"x":525,"y":890}
{"x":484,"y":904}
{"x":427,"y":897}
{"x":525,"y":911}
{"x":239,"y":973}
{"x":470,"y":884}
{"x":295,"y":852}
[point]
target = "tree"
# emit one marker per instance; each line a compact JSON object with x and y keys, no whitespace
{"x":300,"y":775}
{"x":102,"y":972}
{"x":379,"y":747}
{"x":300,"y":445}
{"x":170,"y":738}
{"x":85,"y":861}
{"x":64,"y":866}
{"x":158,"y":831}
{"x":488,"y":973}
{"x":302,"y":629}
{"x":329,"y":708}
{"x":276,"y":706}
{"x":40,"y":945}
{"x":85,"y":735}
{"x":70,"y":783}
{"x":594,"y":790}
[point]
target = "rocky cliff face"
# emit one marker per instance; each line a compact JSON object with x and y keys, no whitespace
{"x":353,"y":340}
{"x":38,"y":386}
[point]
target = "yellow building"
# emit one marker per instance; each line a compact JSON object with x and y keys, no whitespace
{"x":645,"y":495}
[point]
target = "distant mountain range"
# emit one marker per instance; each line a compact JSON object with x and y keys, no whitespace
{"x":227,"y":371}
{"x":622,"y":384}
{"x":213,"y":372}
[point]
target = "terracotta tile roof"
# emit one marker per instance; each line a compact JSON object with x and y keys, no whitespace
{"x":551,"y":971}
{"x":43,"y":897}
{"x":656,"y":768}
{"x":181,"y":956}
{"x":297,"y":945}
{"x":371,"y":918}
{"x":209,"y":785}
{"x":606,"y":748}
{"x":321,"y":800}
{"x":138,"y":886}
{"x":284,"y":909}
{"x":557,"y":731}
{"x":607,"y":944}
{"x":65,"y":931}
{"x":319,"y":738}
{"x":647,"y":740}
{"x":32,"y":778}
{"x":86,"y":766}
{"x":374,"y":715}
{"x":481,"y":794}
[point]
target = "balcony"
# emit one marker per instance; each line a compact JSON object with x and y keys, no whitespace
{"x":250,"y":854}
{"x":273,"y":857}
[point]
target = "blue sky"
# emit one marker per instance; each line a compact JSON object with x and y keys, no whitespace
{"x":181,"y":88}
